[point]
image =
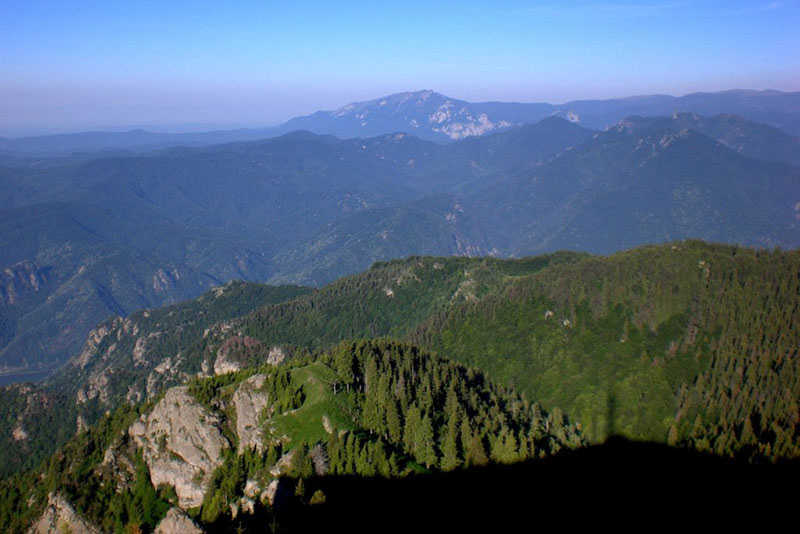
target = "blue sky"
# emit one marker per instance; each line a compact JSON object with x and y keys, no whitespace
{"x":72,"y":65}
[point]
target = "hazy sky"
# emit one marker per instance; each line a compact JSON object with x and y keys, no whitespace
{"x":73,"y":65}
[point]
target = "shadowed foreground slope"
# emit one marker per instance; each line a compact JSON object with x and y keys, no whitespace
{"x":619,"y":480}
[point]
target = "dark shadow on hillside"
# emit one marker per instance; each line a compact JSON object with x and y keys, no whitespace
{"x":618,"y":480}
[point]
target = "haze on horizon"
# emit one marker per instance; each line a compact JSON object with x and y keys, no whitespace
{"x":191,"y":65}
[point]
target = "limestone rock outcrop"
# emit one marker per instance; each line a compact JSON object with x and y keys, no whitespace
{"x":182,"y":444}
{"x":59,"y":516}
{"x":177,"y":522}
{"x":249,"y":401}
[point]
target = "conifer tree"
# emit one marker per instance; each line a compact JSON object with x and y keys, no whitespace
{"x":426,"y":443}
{"x":301,"y":465}
{"x":334,"y":449}
{"x":476,"y":453}
{"x":524,"y":452}
{"x":450,"y":458}
{"x":343,"y":363}
{"x":381,"y":461}
{"x":672,"y":438}
{"x":394,"y":425}
{"x":411,"y":430}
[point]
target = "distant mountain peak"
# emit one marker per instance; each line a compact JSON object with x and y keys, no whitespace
{"x":434,"y":116}
{"x":395,"y":100}
{"x":425,"y":113}
{"x":419,"y":96}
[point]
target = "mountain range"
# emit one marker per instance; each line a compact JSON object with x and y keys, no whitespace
{"x":429,"y":115}
{"x":87,"y":236}
{"x":460,"y":299}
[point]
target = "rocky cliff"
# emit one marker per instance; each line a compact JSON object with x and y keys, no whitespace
{"x":249,"y":402}
{"x":182,"y":444}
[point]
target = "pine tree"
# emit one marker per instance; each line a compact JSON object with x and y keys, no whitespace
{"x":394,"y":426}
{"x":450,"y":459}
{"x":524,"y":451}
{"x":372,"y":416}
{"x":317,"y":498}
{"x":364,"y":465}
{"x":476,"y":453}
{"x":381,"y":461}
{"x":466,"y":434}
{"x":343,"y":363}
{"x":748,"y":436}
{"x":301,"y":465}
{"x":411,"y":430}
{"x":505,"y":450}
{"x":426,"y":443}
{"x":672,"y":437}
{"x":334,"y":449}
{"x":350,"y":453}
{"x":697,"y":428}
{"x":370,"y":375}
{"x":300,"y":490}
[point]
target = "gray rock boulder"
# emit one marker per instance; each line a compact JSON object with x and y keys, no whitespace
{"x":177,"y":522}
{"x":59,"y":516}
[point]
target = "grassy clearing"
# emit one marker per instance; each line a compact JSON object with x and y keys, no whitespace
{"x":306,"y":422}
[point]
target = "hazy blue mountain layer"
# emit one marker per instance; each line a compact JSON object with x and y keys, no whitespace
{"x":87,"y":238}
{"x":433,"y":116}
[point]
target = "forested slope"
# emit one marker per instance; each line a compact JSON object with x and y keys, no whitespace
{"x":373,"y":409}
{"x":625,"y":343}
{"x":686,"y":343}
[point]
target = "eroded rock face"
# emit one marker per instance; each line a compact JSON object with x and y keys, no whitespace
{"x":276,"y":356}
{"x":93,"y":341}
{"x":59,"y":516}
{"x":140,"y":348}
{"x":249,"y":401}
{"x":20,"y":280}
{"x":118,"y":467}
{"x":182,"y":444}
{"x":224,"y":364}
{"x":96,"y":387}
{"x":176,"y":522}
{"x":169,"y":370}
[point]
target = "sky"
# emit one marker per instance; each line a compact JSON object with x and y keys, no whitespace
{"x":187,"y":65}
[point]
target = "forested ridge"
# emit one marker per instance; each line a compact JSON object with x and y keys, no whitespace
{"x":636,"y":336}
{"x":625,"y":343}
{"x":691,"y":343}
{"x":438,"y":364}
{"x":400,"y":410}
